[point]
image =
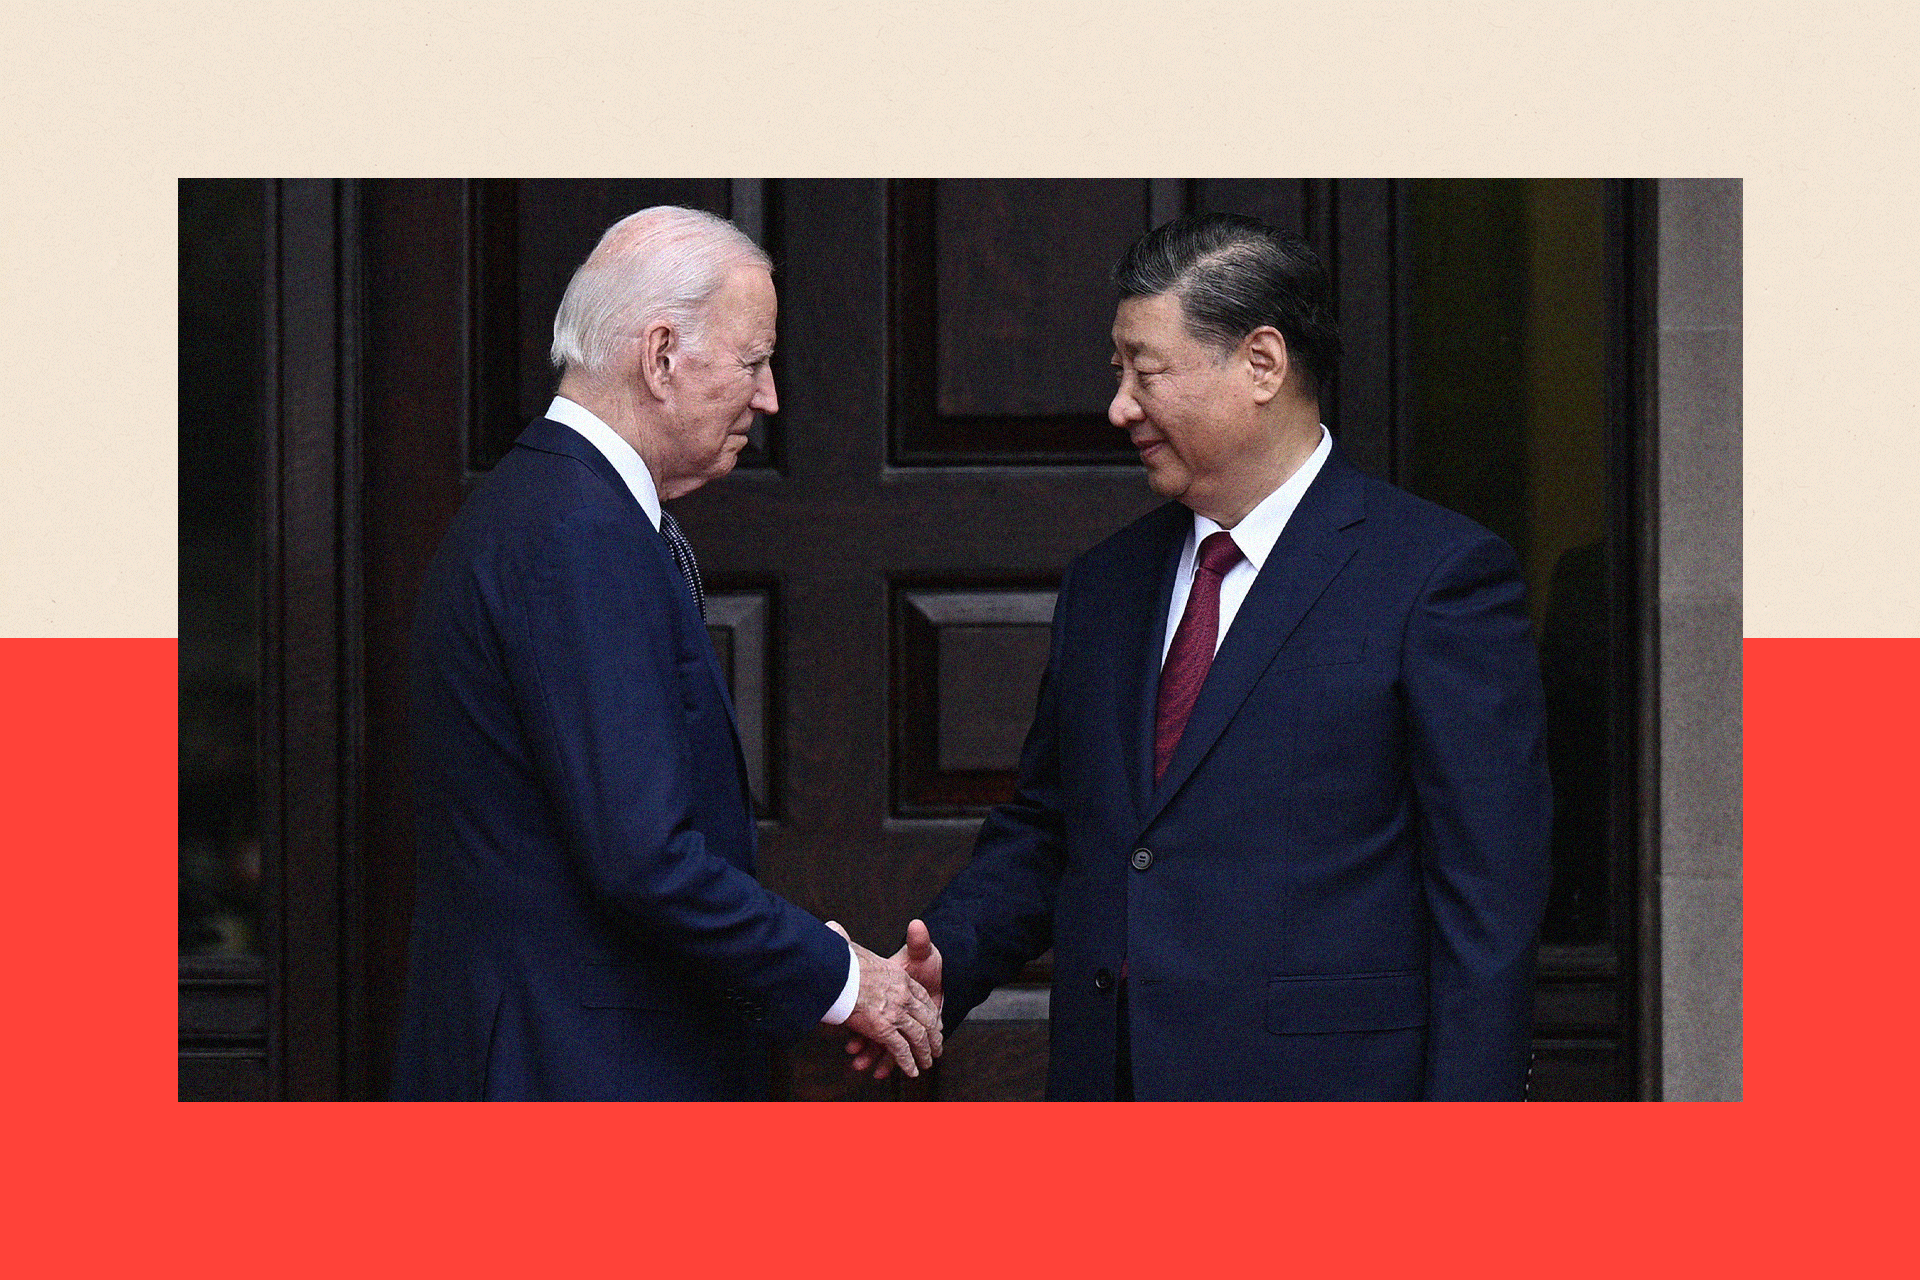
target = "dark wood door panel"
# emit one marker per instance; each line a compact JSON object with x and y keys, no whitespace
{"x":939,"y":457}
{"x":1000,"y":315}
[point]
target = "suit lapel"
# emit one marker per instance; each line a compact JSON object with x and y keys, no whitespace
{"x":1140,"y":640}
{"x":1319,"y":539}
{"x":556,"y":437}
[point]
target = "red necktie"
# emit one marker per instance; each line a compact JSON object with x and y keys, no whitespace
{"x":1185,"y":669}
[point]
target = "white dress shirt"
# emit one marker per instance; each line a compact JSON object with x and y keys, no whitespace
{"x":1255,"y":535}
{"x":633,"y":469}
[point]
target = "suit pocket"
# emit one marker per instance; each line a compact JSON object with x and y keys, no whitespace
{"x":694,"y":681}
{"x":1319,"y":653}
{"x":1313,"y":1004}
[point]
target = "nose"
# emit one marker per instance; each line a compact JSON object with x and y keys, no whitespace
{"x":1123,"y":410}
{"x":765,"y":398}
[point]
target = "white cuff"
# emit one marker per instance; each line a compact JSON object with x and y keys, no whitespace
{"x":843,"y":1007}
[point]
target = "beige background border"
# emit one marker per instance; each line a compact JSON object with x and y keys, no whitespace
{"x":99,"y":126}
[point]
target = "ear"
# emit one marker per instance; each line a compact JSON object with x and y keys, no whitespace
{"x":1266,"y":356}
{"x":659,"y":349}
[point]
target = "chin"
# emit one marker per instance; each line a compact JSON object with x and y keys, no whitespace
{"x":1166,"y":484}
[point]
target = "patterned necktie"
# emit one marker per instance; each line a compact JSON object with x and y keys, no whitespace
{"x":1191,"y":653}
{"x":683,"y":556}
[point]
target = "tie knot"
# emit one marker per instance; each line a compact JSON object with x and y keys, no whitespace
{"x":1218,"y":553}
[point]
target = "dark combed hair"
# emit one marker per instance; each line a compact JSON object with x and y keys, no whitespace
{"x":1233,"y":274}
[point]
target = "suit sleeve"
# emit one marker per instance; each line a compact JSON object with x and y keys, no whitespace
{"x":997,"y":912}
{"x":1478,"y":762}
{"x":607,"y":707}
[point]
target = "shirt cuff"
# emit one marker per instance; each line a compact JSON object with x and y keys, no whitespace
{"x":843,"y":1007}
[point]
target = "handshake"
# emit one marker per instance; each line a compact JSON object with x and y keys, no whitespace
{"x":896,"y":1016}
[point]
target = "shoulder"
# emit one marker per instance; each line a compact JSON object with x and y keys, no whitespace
{"x":1453,"y":567}
{"x":1425,"y":537}
{"x":545,"y":515}
{"x":1156,"y":534}
{"x":1401,"y":513}
{"x":534,"y":488}
{"x":528,"y":484}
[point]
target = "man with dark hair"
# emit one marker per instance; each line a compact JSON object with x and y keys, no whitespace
{"x":1283,"y":813}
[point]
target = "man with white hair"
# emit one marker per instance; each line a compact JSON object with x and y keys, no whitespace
{"x":587,"y":922}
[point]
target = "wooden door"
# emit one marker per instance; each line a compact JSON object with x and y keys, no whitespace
{"x":881,"y":565}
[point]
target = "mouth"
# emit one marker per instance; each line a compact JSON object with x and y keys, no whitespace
{"x":1149,"y":449}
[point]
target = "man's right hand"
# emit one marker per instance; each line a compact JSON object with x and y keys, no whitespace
{"x":892,"y":1011}
{"x":921,"y":959}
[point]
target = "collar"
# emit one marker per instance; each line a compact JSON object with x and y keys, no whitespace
{"x":617,"y":451}
{"x":1261,"y":527}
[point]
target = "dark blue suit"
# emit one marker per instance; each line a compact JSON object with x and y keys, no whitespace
{"x":1335,"y":890}
{"x":587,"y":921}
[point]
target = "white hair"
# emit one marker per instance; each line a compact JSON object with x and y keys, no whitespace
{"x":661,"y":263}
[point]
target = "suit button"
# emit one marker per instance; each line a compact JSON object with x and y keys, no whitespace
{"x":1103,"y":979}
{"x":1142,"y":859}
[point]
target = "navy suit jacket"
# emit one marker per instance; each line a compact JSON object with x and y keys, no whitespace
{"x":587,"y":922}
{"x":1335,"y":890}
